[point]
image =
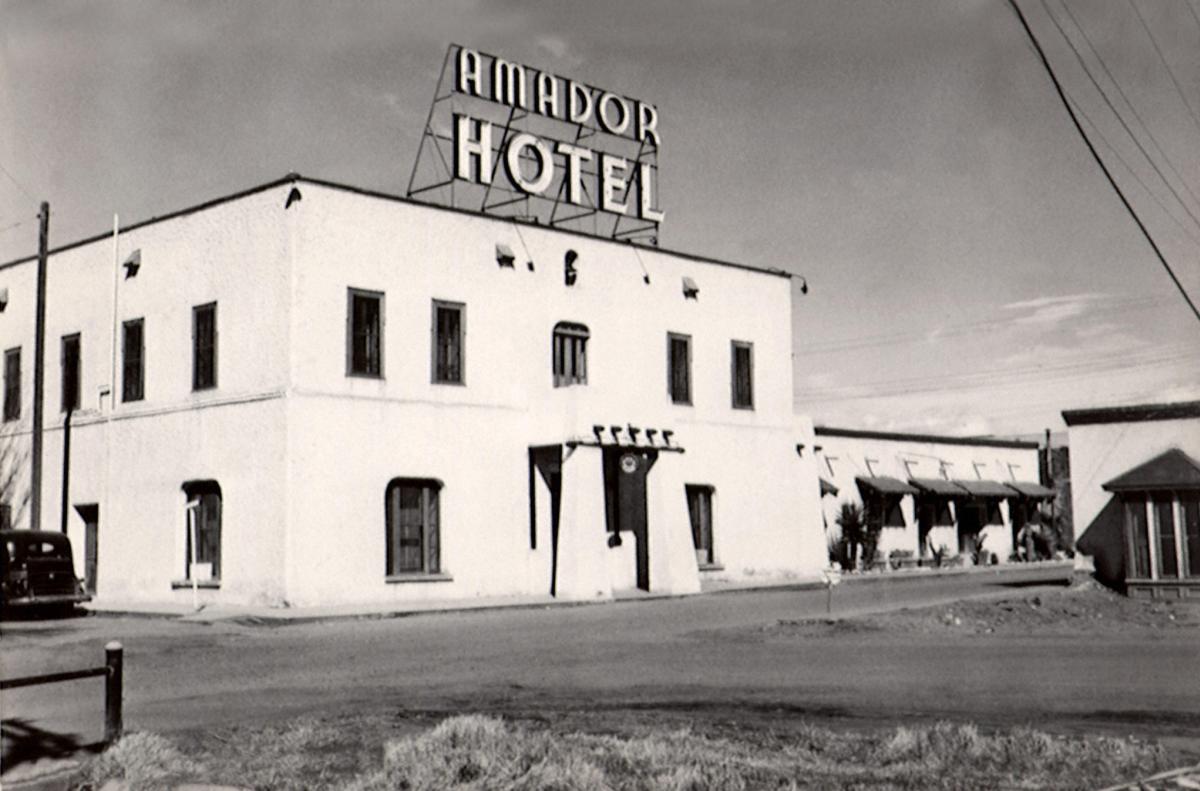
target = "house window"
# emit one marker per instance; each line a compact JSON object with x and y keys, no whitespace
{"x":70,"y":372}
{"x":743,"y":375}
{"x":570,"y":354}
{"x":364,"y":333}
{"x":204,"y":528}
{"x":204,"y":346}
{"x":1190,"y":506}
{"x":411,"y":513}
{"x":5,"y":516}
{"x":885,"y":510}
{"x":679,"y":368}
{"x":12,"y":384}
{"x":133,"y":347}
{"x":1164,"y":529}
{"x":699,"y":501}
{"x":449,"y":320}
{"x":1139,"y":538}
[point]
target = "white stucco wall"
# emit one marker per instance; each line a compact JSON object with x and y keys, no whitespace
{"x":843,"y":459}
{"x":303,"y":453}
{"x":1103,"y":451}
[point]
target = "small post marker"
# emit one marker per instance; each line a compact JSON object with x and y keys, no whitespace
{"x":832,"y":576}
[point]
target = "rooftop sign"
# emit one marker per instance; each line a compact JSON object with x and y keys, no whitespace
{"x":507,"y":139}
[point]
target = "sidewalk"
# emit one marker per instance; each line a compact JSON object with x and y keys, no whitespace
{"x":1013,"y":573}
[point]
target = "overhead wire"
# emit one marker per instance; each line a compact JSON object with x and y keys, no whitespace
{"x":1121,"y":92}
{"x":13,"y":179}
{"x":1154,"y":195}
{"x":1120,"y":119}
{"x":1166,"y":64}
{"x":1100,"y":162}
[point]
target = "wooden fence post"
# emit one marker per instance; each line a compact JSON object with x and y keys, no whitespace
{"x":113,"y":660}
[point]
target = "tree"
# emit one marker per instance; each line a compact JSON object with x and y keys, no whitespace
{"x":851,"y":521}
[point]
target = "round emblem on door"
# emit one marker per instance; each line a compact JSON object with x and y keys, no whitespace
{"x":629,"y":463}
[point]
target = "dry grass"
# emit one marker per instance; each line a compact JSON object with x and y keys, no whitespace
{"x":475,"y":752}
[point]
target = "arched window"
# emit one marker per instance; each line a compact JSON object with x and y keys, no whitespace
{"x":411,"y":513}
{"x":204,"y":503}
{"x":569,"y":354}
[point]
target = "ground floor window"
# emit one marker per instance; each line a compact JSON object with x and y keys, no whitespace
{"x":411,"y":513}
{"x":883,"y":510}
{"x":699,"y":501}
{"x":203,"y":527}
{"x":1162,"y":535}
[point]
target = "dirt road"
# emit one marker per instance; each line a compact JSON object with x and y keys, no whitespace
{"x":683,"y":658}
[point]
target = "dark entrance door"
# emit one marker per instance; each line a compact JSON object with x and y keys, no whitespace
{"x":970,"y":521}
{"x":90,"y":514}
{"x":625,"y":471}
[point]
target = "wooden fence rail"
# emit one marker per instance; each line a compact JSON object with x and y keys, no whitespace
{"x":113,"y":672}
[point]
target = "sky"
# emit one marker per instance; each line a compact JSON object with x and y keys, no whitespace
{"x":970,"y":270}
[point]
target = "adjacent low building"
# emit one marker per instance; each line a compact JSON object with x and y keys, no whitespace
{"x":1135,"y":473}
{"x":311,"y":393}
{"x":974,"y":498}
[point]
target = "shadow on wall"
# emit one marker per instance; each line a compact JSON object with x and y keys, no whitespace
{"x":1104,"y":542}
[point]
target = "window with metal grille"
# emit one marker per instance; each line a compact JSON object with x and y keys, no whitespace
{"x":699,"y":502}
{"x":743,"y":375}
{"x":364,"y":333}
{"x":449,"y":320}
{"x":570,"y":354}
{"x":679,"y":368}
{"x":133,"y":352}
{"x":12,"y":384}
{"x":204,"y":346}
{"x":412,"y":518}
{"x":70,"y":372}
{"x":204,"y":527}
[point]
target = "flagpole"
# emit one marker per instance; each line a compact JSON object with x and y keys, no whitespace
{"x":112,"y":386}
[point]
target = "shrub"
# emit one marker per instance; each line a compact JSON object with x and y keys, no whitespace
{"x":142,"y":761}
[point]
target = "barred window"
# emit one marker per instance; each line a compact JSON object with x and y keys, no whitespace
{"x":449,"y":320}
{"x":412,"y":519}
{"x":364,"y":333}
{"x":570,"y":354}
{"x":204,"y":346}
{"x":743,"y":375}
{"x":70,"y":372}
{"x":133,"y":373}
{"x":12,"y":384}
{"x":679,"y":368}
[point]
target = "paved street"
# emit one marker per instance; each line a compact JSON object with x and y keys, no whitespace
{"x":682,"y":655}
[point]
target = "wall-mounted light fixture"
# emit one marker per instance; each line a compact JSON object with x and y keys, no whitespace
{"x":3,"y":298}
{"x":293,"y":196}
{"x":803,"y":286}
{"x":505,"y":256}
{"x":690,"y":289}
{"x":569,"y":272}
{"x":133,"y":263}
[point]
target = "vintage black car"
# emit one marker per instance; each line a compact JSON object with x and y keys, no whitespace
{"x":37,"y":571}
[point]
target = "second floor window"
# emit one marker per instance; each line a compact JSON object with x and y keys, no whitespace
{"x":204,"y":346}
{"x":70,"y":372}
{"x":743,"y":375}
{"x":679,"y":368}
{"x":12,"y":384}
{"x":133,"y":370}
{"x":448,"y":330}
{"x":364,"y":333}
{"x":570,"y":354}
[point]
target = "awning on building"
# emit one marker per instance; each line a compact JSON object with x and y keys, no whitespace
{"x":984,"y":488}
{"x":938,"y":486}
{"x":828,"y":488}
{"x":1031,"y":489}
{"x":1171,"y":470}
{"x":504,"y":254}
{"x":885,"y":485}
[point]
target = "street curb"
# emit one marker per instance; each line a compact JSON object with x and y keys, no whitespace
{"x":266,"y":620}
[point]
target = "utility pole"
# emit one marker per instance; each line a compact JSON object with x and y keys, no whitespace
{"x":39,"y":370}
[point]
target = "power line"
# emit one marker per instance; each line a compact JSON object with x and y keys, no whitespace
{"x":1115,"y":112}
{"x":1170,"y":71}
{"x":1154,"y":195}
{"x":1087,"y":39}
{"x":13,"y":179}
{"x":1095,"y":155}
